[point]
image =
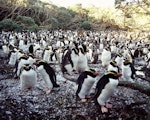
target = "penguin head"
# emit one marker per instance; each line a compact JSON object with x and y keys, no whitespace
{"x":114,"y":73}
{"x":25,"y":57}
{"x":76,"y":51}
{"x":31,"y":55}
{"x":26,"y":67}
{"x":40,"y":62}
{"x":113,"y":63}
{"x":92,"y":72}
{"x":126,"y":62}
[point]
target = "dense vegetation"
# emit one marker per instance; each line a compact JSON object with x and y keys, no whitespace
{"x":34,"y":15}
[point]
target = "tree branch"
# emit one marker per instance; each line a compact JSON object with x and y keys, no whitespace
{"x":141,"y":88}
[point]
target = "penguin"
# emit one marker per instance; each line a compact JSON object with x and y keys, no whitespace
{"x":48,"y":74}
{"x":128,"y":71}
{"x":19,"y":63}
{"x":31,"y":49}
{"x":12,"y":57}
{"x":113,"y":66}
{"x":28,"y":77}
{"x":85,"y":82}
{"x":105,"y":87}
{"x":38,"y":53}
{"x":67,"y":63}
{"x":82,"y":61}
{"x":75,"y":58}
{"x":54,"y":55}
{"x":31,"y":58}
{"x":119,"y":60}
{"x":106,"y":57}
{"x":46,"y":54}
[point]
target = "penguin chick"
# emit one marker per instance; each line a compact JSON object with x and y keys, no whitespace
{"x":85,"y":82}
{"x":28,"y":77}
{"x":48,"y":74}
{"x":105,"y":88}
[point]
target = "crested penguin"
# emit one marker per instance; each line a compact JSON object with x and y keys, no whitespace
{"x":82,"y":61}
{"x":67,"y":63}
{"x":12,"y":57}
{"x":105,"y":88}
{"x":119,"y":60}
{"x":85,"y":82}
{"x":28,"y":77}
{"x":106,"y":57}
{"x":75,"y":58}
{"x":48,"y":74}
{"x":113,"y":66}
{"x":128,"y":71}
{"x":22,"y":61}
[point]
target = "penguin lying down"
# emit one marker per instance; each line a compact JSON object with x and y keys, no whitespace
{"x":48,"y":75}
{"x":105,"y":88}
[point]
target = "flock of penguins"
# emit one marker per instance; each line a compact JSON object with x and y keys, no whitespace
{"x":29,"y":52}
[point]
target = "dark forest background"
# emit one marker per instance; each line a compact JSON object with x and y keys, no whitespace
{"x":33,"y":15}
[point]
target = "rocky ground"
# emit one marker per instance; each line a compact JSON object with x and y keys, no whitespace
{"x":61,"y":104}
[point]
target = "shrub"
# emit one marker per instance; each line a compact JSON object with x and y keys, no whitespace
{"x":9,"y":25}
{"x":86,"y":25}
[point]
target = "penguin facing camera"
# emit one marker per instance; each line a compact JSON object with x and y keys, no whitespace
{"x":105,"y":88}
{"x":85,"y":82}
{"x":48,"y":74}
{"x":28,"y":77}
{"x":113,"y":66}
{"x":128,"y":71}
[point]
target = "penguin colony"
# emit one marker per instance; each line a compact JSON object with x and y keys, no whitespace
{"x":32,"y":53}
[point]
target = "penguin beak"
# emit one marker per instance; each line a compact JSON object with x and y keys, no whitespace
{"x":34,"y":63}
{"x":119,"y":74}
{"x":96,"y":73}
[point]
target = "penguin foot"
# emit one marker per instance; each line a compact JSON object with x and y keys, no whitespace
{"x":108,"y":105}
{"x":83,"y":100}
{"x":104,"y":109}
{"x":47,"y":91}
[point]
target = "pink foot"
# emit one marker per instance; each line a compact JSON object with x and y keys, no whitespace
{"x":83,"y":100}
{"x":104,"y":109}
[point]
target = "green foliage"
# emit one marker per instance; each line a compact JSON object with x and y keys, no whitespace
{"x":9,"y":25}
{"x":25,"y":20}
{"x":32,"y":28}
{"x":86,"y":25}
{"x":54,"y":23}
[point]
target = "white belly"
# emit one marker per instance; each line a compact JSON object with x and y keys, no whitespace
{"x":28,"y":79}
{"x":107,"y":91}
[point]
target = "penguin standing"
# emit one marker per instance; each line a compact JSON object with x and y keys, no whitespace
{"x":113,"y":66}
{"x":46,"y":54}
{"x":75,"y":57}
{"x":22,"y":61}
{"x":105,"y":88}
{"x":128,"y":71}
{"x":85,"y":82}
{"x":67,"y":63}
{"x":48,"y":74}
{"x":82,"y":61}
{"x":119,"y":60}
{"x":54,"y":56}
{"x":106,"y":57}
{"x":28,"y":77}
{"x":12,"y":57}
